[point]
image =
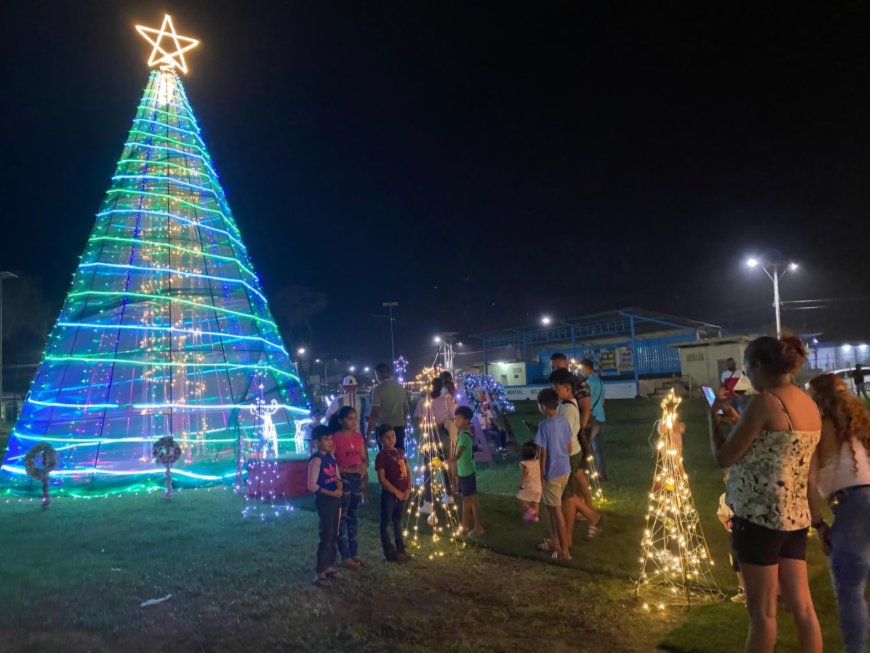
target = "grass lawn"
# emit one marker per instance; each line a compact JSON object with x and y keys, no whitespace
{"x":73,"y":577}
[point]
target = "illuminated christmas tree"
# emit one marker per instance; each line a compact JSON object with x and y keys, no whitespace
{"x":429,"y":502}
{"x":165,"y":330}
{"x":676,"y":566}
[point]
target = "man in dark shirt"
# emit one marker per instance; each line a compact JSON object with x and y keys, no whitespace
{"x":858,"y":378}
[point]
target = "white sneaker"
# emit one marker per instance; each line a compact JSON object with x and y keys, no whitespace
{"x":427,"y":508}
{"x":740,"y":597}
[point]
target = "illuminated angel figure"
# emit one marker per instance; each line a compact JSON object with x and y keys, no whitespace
{"x":268,"y":433}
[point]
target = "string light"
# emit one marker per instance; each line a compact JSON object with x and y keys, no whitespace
{"x":261,"y":497}
{"x":676,"y":566}
{"x":592,"y":474}
{"x":439,"y":515}
{"x":165,"y":326}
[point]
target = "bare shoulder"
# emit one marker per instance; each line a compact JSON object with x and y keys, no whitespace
{"x":801,"y":408}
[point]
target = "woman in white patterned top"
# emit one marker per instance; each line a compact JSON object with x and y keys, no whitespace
{"x":769,"y":452}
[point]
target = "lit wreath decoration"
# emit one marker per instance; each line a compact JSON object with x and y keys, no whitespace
{"x":36,"y":470}
{"x":40,"y":470}
{"x":166,"y":452}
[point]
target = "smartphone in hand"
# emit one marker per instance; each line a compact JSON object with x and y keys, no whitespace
{"x":710,"y":395}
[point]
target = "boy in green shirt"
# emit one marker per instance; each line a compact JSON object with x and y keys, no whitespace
{"x":463,"y":456}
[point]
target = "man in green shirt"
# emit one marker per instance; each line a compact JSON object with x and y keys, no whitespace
{"x":389,"y":405}
{"x":463,"y":456}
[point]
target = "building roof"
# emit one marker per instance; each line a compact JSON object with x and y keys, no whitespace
{"x":597,"y":325}
{"x":706,"y":342}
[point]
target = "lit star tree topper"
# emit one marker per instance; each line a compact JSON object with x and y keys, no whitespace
{"x":172,"y":55}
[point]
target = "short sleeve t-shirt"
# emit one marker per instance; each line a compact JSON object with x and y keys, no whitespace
{"x":581,"y":389}
{"x":395,"y":467}
{"x":596,"y":397}
{"x":349,"y":449}
{"x":554,"y":434}
{"x":465,"y":462}
{"x":392,"y":401}
{"x":730,"y":379}
{"x":569,"y":410}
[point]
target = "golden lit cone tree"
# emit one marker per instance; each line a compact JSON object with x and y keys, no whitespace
{"x":438,"y":516}
{"x":591,"y":469}
{"x":676,"y":566}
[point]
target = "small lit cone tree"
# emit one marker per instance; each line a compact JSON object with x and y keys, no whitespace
{"x":594,"y":480}
{"x":676,"y":566}
{"x":261,"y":496}
{"x":429,"y":502}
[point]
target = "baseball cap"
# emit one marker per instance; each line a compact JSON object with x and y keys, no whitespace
{"x":349,"y":380}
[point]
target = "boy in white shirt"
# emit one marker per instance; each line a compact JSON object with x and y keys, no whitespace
{"x":563,"y":383}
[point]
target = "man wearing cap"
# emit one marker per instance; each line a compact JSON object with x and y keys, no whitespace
{"x":389,"y":405}
{"x":349,"y":397}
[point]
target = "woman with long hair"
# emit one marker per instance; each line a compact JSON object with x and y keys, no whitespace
{"x":353,"y":463}
{"x":840,"y":474}
{"x":769,"y":451}
{"x":436,"y":411}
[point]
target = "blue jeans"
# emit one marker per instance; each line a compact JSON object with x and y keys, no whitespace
{"x":849,"y":560}
{"x":391,"y":515}
{"x":327,"y":510}
{"x":351,"y":498}
{"x":596,"y":440}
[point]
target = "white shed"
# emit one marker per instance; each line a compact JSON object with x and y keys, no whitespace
{"x":703,"y":361}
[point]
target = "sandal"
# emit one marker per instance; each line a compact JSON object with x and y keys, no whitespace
{"x":350,"y":563}
{"x":546,"y":545}
{"x":359,"y":561}
{"x":320,"y":580}
{"x":333,"y":573}
{"x":594,"y":530}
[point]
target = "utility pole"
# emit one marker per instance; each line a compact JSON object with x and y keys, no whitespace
{"x":3,"y":276}
{"x":390,"y":306}
{"x":448,"y":339}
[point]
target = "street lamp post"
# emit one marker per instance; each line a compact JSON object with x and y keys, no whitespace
{"x":3,"y":276}
{"x":445,"y":344}
{"x":780,"y":269}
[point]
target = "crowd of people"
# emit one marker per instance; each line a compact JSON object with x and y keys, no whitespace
{"x":788,"y":455}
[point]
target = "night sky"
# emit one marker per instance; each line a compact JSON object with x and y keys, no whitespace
{"x":480,"y":163}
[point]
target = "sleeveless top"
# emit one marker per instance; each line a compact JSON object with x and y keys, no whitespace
{"x":328,"y":476}
{"x":533,"y":475}
{"x":768,"y":486}
{"x":839,"y":472}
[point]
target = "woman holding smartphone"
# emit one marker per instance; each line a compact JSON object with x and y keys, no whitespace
{"x":769,"y":451}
